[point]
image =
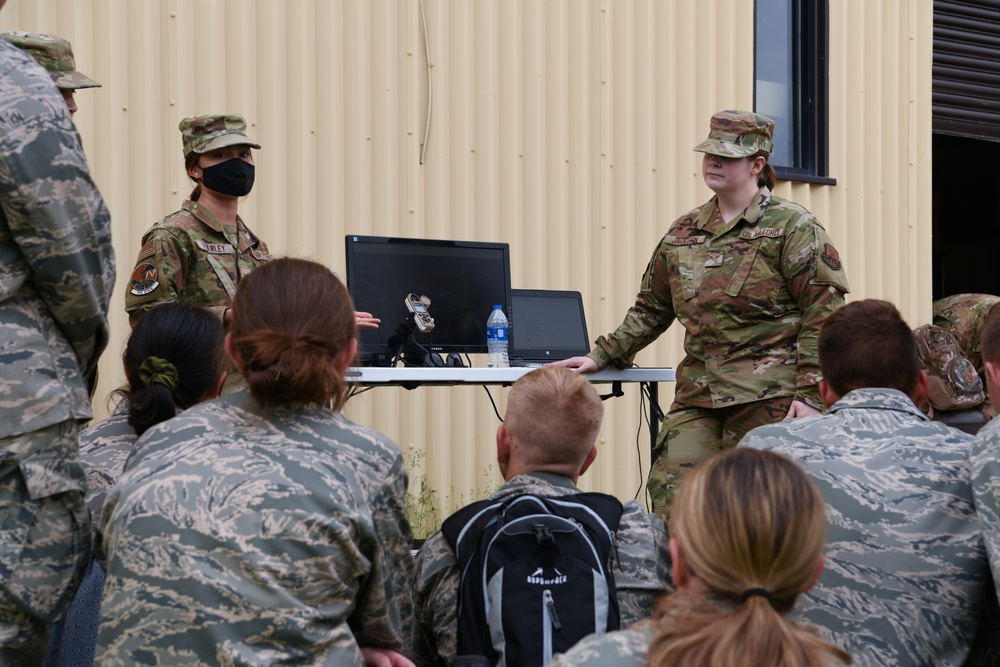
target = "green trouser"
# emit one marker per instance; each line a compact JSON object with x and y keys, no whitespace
{"x":44,"y":543}
{"x":690,"y":434}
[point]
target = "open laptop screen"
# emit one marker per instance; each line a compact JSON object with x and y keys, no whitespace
{"x":546,"y":325}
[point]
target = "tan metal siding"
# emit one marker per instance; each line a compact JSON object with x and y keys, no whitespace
{"x":563,"y":127}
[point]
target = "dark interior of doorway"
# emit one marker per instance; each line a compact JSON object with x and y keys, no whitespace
{"x":965,"y":252}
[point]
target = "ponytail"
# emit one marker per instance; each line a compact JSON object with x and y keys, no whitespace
{"x":767,"y":176}
{"x":173,"y":360}
{"x":752,"y":525}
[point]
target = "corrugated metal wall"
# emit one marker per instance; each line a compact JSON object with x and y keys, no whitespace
{"x":563,"y":127}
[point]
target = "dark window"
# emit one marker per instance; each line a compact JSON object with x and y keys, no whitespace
{"x":790,"y":84}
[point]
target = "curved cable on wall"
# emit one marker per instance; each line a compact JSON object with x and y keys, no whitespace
{"x":430,"y":85}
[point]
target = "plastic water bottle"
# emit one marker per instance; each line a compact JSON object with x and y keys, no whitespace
{"x":496,"y":339}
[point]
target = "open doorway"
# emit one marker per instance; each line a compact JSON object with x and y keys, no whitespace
{"x":965,"y":253}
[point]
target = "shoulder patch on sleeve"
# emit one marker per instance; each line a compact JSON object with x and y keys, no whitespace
{"x":831,"y":257}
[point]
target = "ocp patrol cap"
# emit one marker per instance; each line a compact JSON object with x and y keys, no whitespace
{"x":54,"y":54}
{"x":738,"y":134}
{"x":202,"y":134}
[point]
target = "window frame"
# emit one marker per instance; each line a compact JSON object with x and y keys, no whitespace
{"x":810,"y":82}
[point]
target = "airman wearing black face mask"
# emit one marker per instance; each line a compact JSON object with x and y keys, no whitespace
{"x":201,"y":252}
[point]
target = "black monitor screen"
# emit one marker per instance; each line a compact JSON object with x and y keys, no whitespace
{"x":462,"y":279}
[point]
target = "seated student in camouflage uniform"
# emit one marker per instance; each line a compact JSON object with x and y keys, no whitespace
{"x":173,"y":360}
{"x":751,"y":277}
{"x":986,"y":461}
{"x":263,"y":527}
{"x":56,"y":278}
{"x":965,"y":316}
{"x":746,"y":536}
{"x":56,"y":55}
{"x":545,"y":443}
{"x":906,"y":572}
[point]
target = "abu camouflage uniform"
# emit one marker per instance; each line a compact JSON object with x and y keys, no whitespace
{"x":191,"y":256}
{"x":906,"y":573}
{"x":104,"y":448}
{"x":641,"y":569}
{"x":239,"y":537}
{"x":56,"y":276}
{"x":986,"y":489}
{"x":751,"y":294}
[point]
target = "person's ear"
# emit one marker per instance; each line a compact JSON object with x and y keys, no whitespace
{"x":992,"y":372}
{"x":194,"y":171}
{"x":919,"y":393}
{"x":678,"y":565}
{"x":345,"y":357}
{"x":827,"y":394}
{"x":758,"y":165}
{"x":820,"y":562}
{"x":503,"y":449}
{"x":233,"y":353}
{"x":591,"y":455}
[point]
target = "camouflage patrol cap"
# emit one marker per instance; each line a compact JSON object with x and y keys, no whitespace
{"x":54,"y":54}
{"x":202,"y":134}
{"x":738,"y":134}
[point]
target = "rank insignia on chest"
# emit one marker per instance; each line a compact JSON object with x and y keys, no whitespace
{"x":216,"y":248}
{"x":714,"y":259}
{"x":831,"y":257}
{"x":143,"y":280}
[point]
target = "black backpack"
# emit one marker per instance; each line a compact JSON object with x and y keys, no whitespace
{"x":534,"y":576}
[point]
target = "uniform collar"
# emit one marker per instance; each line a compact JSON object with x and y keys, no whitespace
{"x":752,"y":215}
{"x":878,"y":398}
{"x":534,"y":480}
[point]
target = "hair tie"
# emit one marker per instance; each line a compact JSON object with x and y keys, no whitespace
{"x":158,"y":371}
{"x":751,"y":592}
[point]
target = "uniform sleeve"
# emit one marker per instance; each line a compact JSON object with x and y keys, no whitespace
{"x":650,"y":316}
{"x":159,"y":272}
{"x":383,"y":617}
{"x":815,"y":276}
{"x":986,"y":490}
{"x":435,"y":597}
{"x":642,"y":565}
{"x":54,"y":213}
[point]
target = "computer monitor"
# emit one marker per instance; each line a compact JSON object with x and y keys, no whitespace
{"x":462,"y":279}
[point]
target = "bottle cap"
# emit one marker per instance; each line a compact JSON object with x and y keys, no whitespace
{"x":495,"y":306}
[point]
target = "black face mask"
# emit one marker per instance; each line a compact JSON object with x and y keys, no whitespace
{"x":234,"y":177}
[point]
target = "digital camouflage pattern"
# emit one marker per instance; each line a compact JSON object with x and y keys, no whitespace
{"x":54,"y":54}
{"x":104,"y":448}
{"x":641,"y":569}
{"x":56,"y":276}
{"x":236,"y":537}
{"x":201,"y":134}
{"x":751,"y":295}
{"x":986,"y":489}
{"x":964,"y":317}
{"x":736,"y":133}
{"x":906,"y":572}
{"x":191,"y":256}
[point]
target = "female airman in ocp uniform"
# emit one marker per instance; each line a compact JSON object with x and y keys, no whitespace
{"x":751,"y":277}
{"x":201,"y":252}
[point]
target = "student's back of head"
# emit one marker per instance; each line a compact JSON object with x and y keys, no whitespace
{"x":293,"y":332}
{"x":173,"y":360}
{"x":554,"y":415}
{"x":749,"y":525}
{"x":868,"y":344}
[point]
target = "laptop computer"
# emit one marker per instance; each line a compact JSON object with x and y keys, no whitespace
{"x":546,"y":325}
